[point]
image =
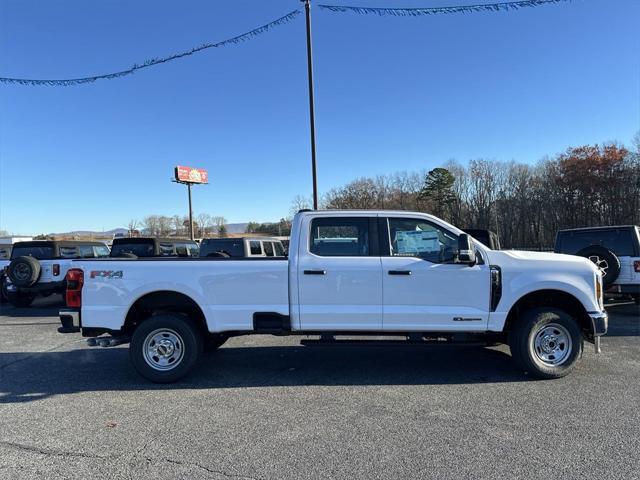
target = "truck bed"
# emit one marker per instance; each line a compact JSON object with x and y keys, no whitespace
{"x":229,"y":291}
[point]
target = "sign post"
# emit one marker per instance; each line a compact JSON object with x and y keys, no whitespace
{"x":189,"y":176}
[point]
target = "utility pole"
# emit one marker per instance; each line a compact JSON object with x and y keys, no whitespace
{"x":312,"y":120}
{"x":190,"y":213}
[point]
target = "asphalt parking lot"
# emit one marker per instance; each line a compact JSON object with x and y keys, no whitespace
{"x":267,"y":408}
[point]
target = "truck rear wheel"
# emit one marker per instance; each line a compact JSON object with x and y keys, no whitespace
{"x":546,"y":343}
{"x":165,"y":348}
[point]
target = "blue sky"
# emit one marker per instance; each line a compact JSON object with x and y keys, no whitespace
{"x":391,"y":94}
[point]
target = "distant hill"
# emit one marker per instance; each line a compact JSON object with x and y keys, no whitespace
{"x":231,"y":228}
{"x":90,"y":233}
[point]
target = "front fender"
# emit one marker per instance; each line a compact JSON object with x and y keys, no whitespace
{"x":517,"y":285}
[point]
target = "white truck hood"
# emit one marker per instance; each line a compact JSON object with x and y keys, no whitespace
{"x":550,"y":261}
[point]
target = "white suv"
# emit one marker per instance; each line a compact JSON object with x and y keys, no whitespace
{"x":39,"y":267}
{"x":615,"y":250}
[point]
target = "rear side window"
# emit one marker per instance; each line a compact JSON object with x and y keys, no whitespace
{"x":69,"y":252}
{"x":233,"y":248}
{"x":167,"y":249}
{"x":278,"y":249}
{"x":618,"y":241}
{"x":41,"y":253}
{"x":85,"y":251}
{"x":5,"y":252}
{"x":254,"y":247}
{"x":138,"y":249}
{"x":101,"y":251}
{"x":340,"y":237}
{"x":193,"y":249}
{"x":268,"y":249}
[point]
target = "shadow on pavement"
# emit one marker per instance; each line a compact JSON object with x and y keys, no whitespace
{"x":624,"y":320}
{"x":28,"y":376}
{"x":41,"y":307}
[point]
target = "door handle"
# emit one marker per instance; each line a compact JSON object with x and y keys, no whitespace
{"x":399,"y":272}
{"x":315,"y":272}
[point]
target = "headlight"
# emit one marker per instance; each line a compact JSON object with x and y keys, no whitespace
{"x":599,"y":294}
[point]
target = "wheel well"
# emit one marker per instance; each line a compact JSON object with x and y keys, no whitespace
{"x":550,"y":298}
{"x":163,"y":301}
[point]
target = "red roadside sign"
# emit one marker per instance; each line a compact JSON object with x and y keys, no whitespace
{"x":191,"y":175}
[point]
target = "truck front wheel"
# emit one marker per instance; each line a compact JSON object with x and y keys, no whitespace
{"x":164,"y":348}
{"x":546,"y":343}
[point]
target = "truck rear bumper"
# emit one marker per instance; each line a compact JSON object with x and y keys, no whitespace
{"x":69,"y":320}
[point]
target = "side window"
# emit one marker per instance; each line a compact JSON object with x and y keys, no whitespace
{"x":411,"y":237}
{"x":166,"y":249}
{"x":340,"y":237}
{"x":100,"y":251}
{"x":254,"y":247}
{"x":181,"y":250}
{"x":85,"y":251}
{"x":68,"y":252}
{"x":268,"y":248}
{"x":278,"y":249}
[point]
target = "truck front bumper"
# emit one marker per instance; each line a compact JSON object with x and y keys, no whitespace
{"x":600,"y":323}
{"x":69,"y":320}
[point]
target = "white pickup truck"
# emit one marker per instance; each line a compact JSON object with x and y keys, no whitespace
{"x":349,"y":274}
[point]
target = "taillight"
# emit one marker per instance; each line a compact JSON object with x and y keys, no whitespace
{"x":56,"y":269}
{"x":75,"y":279}
{"x":636,"y":265}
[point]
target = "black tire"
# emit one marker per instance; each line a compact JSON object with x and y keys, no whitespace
{"x":539,"y":325}
{"x":21,"y":300}
{"x":24,"y":271}
{"x":4,"y":296}
{"x":604,"y":259}
{"x":214,"y":341}
{"x":181,"y":332}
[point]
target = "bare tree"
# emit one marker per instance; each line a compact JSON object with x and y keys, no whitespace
{"x":204,"y":221}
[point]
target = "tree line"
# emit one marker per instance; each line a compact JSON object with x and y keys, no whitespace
{"x":204,"y":225}
{"x":525,"y":204}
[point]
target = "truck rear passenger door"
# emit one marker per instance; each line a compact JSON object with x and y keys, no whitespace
{"x":340,"y":275}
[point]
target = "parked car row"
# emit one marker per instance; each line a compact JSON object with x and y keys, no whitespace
{"x":39,"y":267}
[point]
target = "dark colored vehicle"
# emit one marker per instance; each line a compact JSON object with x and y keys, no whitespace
{"x":486,"y":237}
{"x":615,"y":250}
{"x":153,"y":247}
{"x":39,"y":267}
{"x":242,"y":247}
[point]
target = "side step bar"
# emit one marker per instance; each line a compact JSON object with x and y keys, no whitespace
{"x":410,"y":339}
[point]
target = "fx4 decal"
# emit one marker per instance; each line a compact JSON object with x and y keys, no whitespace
{"x":106,"y":274}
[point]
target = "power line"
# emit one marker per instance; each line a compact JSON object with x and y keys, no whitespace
{"x":417,"y":12}
{"x":155,"y":61}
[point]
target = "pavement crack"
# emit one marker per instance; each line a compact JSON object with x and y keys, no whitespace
{"x":49,"y":452}
{"x":206,"y":469}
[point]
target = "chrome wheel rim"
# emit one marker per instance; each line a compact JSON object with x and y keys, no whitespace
{"x":601,"y":263}
{"x":552,"y":344}
{"x":163,"y":349}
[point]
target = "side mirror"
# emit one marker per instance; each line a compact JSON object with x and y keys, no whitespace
{"x":466,"y":250}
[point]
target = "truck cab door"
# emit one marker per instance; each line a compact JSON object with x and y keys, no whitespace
{"x":339,"y":274}
{"x":424,"y":290}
